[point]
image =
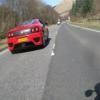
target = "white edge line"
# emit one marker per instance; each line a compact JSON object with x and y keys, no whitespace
{"x":93,"y":30}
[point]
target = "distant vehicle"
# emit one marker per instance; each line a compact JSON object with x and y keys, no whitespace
{"x":33,"y":32}
{"x":58,"y":22}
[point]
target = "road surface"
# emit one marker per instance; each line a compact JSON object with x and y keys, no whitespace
{"x":64,"y":70}
{"x":75,"y":68}
{"x":23,"y":75}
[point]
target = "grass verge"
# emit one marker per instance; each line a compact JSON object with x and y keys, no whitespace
{"x":3,"y":44}
{"x":93,"y":24}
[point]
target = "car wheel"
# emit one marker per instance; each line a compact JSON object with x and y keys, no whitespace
{"x":44,"y":43}
{"x":48,"y":34}
{"x":13,"y":51}
{"x":47,"y":39}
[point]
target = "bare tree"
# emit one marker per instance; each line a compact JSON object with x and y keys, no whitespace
{"x":13,"y":11}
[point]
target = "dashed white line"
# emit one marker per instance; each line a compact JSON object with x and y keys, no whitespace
{"x":54,"y":46}
{"x":52,"y":53}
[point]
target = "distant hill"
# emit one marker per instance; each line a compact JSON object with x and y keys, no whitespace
{"x":97,"y":9}
{"x":97,"y":5}
{"x":64,"y":7}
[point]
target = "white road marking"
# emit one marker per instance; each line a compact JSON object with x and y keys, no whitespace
{"x":52,"y":53}
{"x":54,"y":46}
{"x":3,"y":52}
{"x":93,"y":30}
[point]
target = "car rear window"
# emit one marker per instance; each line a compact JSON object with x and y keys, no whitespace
{"x":28,"y":22}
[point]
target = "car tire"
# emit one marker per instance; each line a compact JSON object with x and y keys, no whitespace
{"x":44,"y":43}
{"x":47,"y":36}
{"x":13,"y":51}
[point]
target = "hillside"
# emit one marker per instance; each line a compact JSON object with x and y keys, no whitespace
{"x":97,"y":5}
{"x":64,"y":7}
{"x":91,"y":19}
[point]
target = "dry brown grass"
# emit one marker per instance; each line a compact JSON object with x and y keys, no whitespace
{"x":3,"y":44}
{"x":94,"y":24}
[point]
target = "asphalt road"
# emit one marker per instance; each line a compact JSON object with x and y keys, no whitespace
{"x":64,"y":70}
{"x":23,"y":75}
{"x":75,"y":68}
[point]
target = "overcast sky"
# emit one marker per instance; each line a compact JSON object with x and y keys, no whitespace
{"x":52,"y":2}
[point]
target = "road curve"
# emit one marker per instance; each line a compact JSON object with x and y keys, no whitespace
{"x":75,"y":68}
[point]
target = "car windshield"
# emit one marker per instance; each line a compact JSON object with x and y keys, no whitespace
{"x":28,"y":22}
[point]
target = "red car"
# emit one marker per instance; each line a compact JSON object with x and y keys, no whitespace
{"x":33,"y":32}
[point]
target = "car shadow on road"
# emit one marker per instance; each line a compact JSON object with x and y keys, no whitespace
{"x":96,"y":90}
{"x":31,"y":48}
